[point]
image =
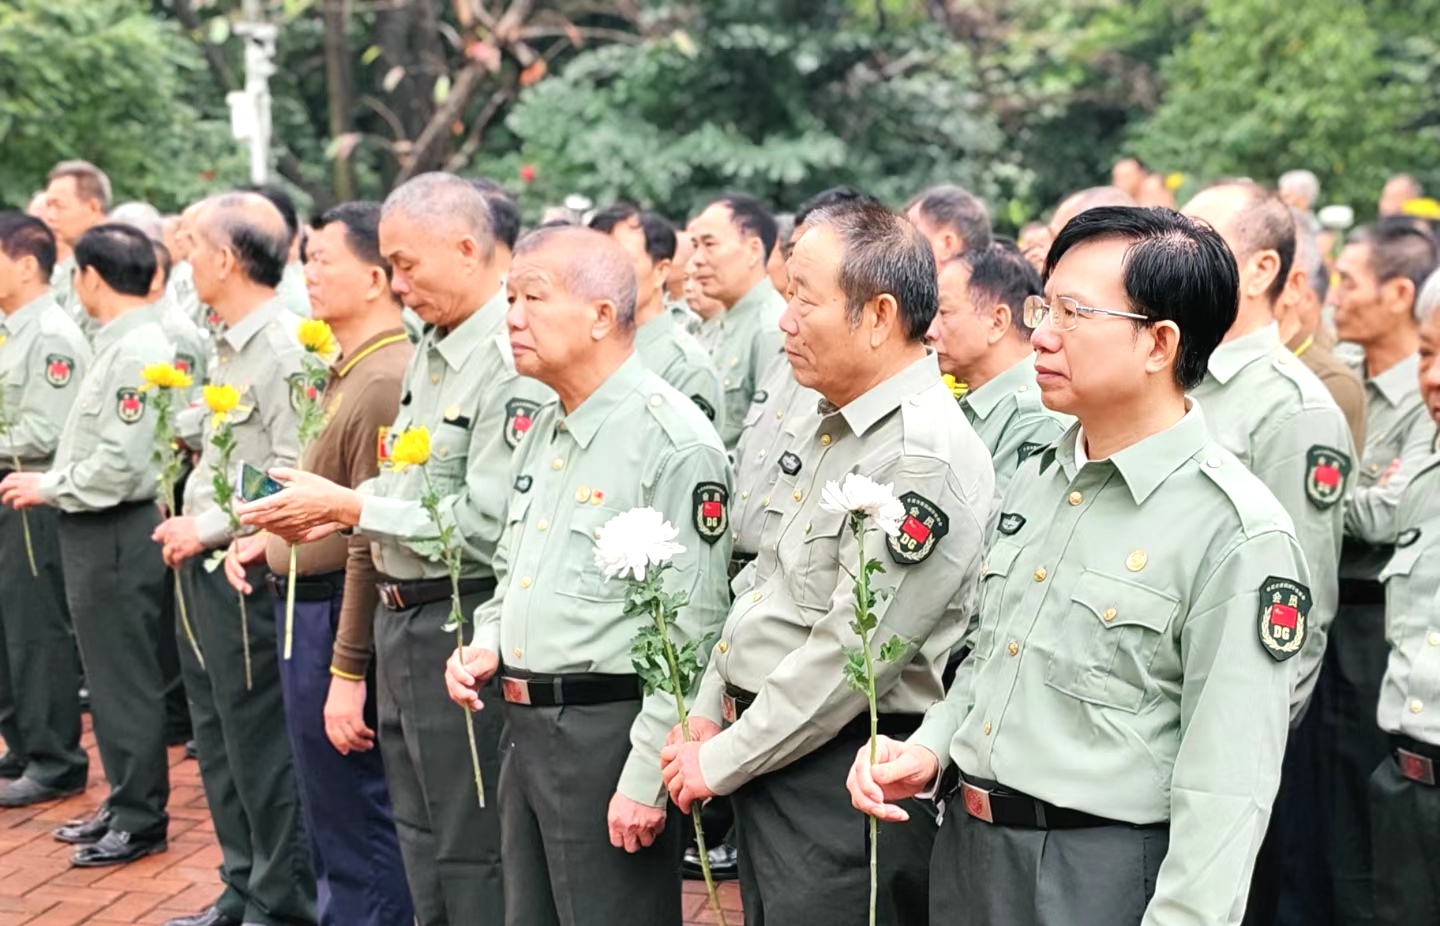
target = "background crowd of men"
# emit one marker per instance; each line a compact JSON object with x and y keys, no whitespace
{"x":1170,"y":639}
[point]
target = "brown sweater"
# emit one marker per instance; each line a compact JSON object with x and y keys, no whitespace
{"x":1318,"y":353}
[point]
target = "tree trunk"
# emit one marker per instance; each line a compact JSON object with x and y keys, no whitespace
{"x":340,"y":92}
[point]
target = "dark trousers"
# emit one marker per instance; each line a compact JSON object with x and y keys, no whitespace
{"x":39,"y":671}
{"x":177,"y":706}
{"x":1291,"y":886}
{"x":1406,"y":820}
{"x":805,"y":853}
{"x":244,"y":752}
{"x":450,"y":846}
{"x":985,"y":875}
{"x":115,"y":602}
{"x":359,"y":877}
{"x":557,"y":776}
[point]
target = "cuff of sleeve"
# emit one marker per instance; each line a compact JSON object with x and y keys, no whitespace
{"x":935,"y":737}
{"x":719,"y":766}
{"x":378,"y":515}
{"x":49,"y":487}
{"x":640,"y":779}
{"x":486,"y":636}
{"x":344,"y":673}
{"x":213,"y":527}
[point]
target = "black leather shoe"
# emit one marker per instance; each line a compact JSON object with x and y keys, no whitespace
{"x":116,"y":848}
{"x":85,"y":832}
{"x":210,"y":917}
{"x":11,"y":766}
{"x":724,"y":863}
{"x":22,"y":792}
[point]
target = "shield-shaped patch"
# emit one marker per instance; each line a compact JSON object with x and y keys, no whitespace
{"x":1010,"y":523}
{"x":1326,"y":470}
{"x":704,"y":406}
{"x":129,"y":404}
{"x":59,"y":370}
{"x":1284,"y":610}
{"x":789,"y":463}
{"x":924,"y":526}
{"x":302,"y":390}
{"x":519,"y":413}
{"x":712,"y":517}
{"x":185,"y":363}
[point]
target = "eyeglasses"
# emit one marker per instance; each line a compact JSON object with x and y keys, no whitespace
{"x":1065,"y":313}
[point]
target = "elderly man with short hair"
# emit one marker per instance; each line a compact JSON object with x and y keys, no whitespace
{"x":952,"y":219}
{"x":77,"y":198}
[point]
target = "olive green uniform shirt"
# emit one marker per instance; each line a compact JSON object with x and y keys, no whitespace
{"x":1267,"y":408}
{"x":106,"y":453}
{"x":1410,"y":693}
{"x":1117,"y":666}
{"x":292,"y":292}
{"x":778,"y":405}
{"x":685,"y":316}
{"x":257,"y":356}
{"x":669,"y":350}
{"x":785,"y":638}
{"x":746,"y":338}
{"x":43,"y":357}
{"x":461,"y":385}
{"x":635,"y":442}
{"x":194,"y":348}
{"x":1318,"y":353}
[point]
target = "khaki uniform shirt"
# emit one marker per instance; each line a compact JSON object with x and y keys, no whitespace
{"x":62,"y":290}
{"x":785,"y":639}
{"x":1118,"y":666}
{"x":1264,"y":406}
{"x":1318,"y":353}
{"x":1410,"y":693}
{"x":257,"y":356}
{"x":194,"y":348}
{"x":635,"y":442}
{"x":43,"y":357}
{"x":106,"y":453}
{"x":779,"y":405}
{"x":668,"y":349}
{"x":463,"y":387}
{"x":685,"y":316}
{"x":746,"y":338}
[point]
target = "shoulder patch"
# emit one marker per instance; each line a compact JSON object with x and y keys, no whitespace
{"x":1284,"y":610}
{"x":59,"y":370}
{"x":523,"y":483}
{"x":1010,"y":523}
{"x":129,"y":404}
{"x":1028,"y":449}
{"x":1407,"y":538}
{"x":301,"y":390}
{"x":712,"y":518}
{"x":704,"y":406}
{"x":519,"y":415}
{"x":924,"y":527}
{"x":185,"y":363}
{"x":789,"y":463}
{"x":1326,"y":472}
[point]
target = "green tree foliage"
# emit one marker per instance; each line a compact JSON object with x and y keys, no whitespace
{"x":105,"y":81}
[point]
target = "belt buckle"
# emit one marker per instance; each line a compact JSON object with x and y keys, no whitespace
{"x":977,"y":802}
{"x":515,"y":690}
{"x":727,"y":708}
{"x":387,"y":594}
{"x":1416,"y":767}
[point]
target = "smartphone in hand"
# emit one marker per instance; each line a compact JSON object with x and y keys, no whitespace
{"x":255,"y":485}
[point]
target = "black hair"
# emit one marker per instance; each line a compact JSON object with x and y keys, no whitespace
{"x":282,"y":201}
{"x":1001,"y":274}
{"x":752,"y":218}
{"x":957,"y":209}
{"x":1398,"y":249}
{"x":504,"y":210}
{"x":1175,"y":269}
{"x":122,"y":255}
{"x":22,"y":235}
{"x":362,"y":230}
{"x":659,"y":233}
{"x":884,"y":253}
{"x":835,"y":196}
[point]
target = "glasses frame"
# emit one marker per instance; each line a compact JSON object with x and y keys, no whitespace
{"x":1080,"y":310}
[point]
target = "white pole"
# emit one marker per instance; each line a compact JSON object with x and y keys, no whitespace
{"x":259,"y":38}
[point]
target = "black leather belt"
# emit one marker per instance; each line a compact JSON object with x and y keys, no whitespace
{"x":989,"y":802}
{"x":320,"y":587}
{"x":1417,"y":760}
{"x":738,"y":561}
{"x":736,"y":701}
{"x":536,"y":690}
{"x":402,"y":594}
{"x":1362,"y":591}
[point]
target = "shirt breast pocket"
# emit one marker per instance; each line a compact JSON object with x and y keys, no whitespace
{"x":821,"y":542}
{"x":1110,"y":634}
{"x":579,"y":576}
{"x":994,"y":572}
{"x":449,"y":450}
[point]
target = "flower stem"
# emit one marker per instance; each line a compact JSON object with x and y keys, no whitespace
{"x":25,"y":526}
{"x":290,"y":604}
{"x":185,"y":620}
{"x":470,"y":730}
{"x":874,"y":715}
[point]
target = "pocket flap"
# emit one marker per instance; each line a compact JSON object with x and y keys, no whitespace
{"x":1402,"y":562}
{"x":519,"y":504}
{"x":1119,"y":602}
{"x":999,"y":560}
{"x":829,"y":524}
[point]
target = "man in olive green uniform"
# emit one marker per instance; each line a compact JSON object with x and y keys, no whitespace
{"x":661,"y":340}
{"x":952,"y":219}
{"x":235,"y":697}
{"x":1380,"y":272}
{"x":103,"y":482}
{"x":43,"y":355}
{"x":777,"y":679}
{"x":582,"y":808}
{"x":1138,"y":604}
{"x":733,"y":239}
{"x":76,"y":200}
{"x":1404,"y":798}
{"x":436,"y":234}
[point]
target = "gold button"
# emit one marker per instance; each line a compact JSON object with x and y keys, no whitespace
{"x":1136,"y":561}
{"x":744,"y":494}
{"x":760,"y":455}
{"x":442,"y":452}
{"x":723,"y":647}
{"x":809,"y":527}
{"x":656,"y":401}
{"x":525,"y":582}
{"x":1109,"y":614}
{"x":596,"y":533}
{"x":1374,"y":468}
{"x":1040,"y":574}
{"x":1022,"y":389}
{"x":797,"y":495}
{"x":582,"y":494}
{"x":779,"y":414}
{"x":825,"y":439}
{"x":755,"y":597}
{"x":987,"y":728}
{"x":914,"y":400}
{"x":1416,"y":706}
{"x":1076,"y":498}
{"x":1284,"y":360}
{"x":543,"y":525}
{"x":1213,"y":462}
{"x":1014,"y":648}
{"x":1433,"y":639}
{"x":727,"y":382}
{"x":435,"y":378}
{"x":515,"y":652}
{"x":765,"y":500}
{"x":557,"y":464}
{"x":734,"y":362}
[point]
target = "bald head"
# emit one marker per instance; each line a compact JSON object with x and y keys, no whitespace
{"x":589,"y":265}
{"x":1252,"y":220}
{"x":445,"y":202}
{"x":249,"y":226}
{"x":1085,"y":200}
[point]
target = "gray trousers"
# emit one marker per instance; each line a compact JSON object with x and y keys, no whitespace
{"x":244,"y":752}
{"x":115,"y":600}
{"x":1406,"y":821}
{"x":984,"y":875}
{"x":450,"y":846}
{"x":39,"y":670}
{"x":557,"y":776}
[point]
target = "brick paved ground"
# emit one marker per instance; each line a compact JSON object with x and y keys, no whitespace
{"x":39,"y":888}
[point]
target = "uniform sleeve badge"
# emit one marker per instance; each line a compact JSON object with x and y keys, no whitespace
{"x":59,"y":370}
{"x":185,"y":363}
{"x":519,"y":415}
{"x":129,"y":404}
{"x":1326,"y":470}
{"x":1284,"y":609}
{"x":712,"y":518}
{"x":302,"y":390}
{"x":924,"y":526}
{"x":704,"y":406}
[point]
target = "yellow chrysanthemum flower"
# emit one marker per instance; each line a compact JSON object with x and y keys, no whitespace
{"x":1423,"y":208}
{"x":221,"y":400}
{"x":412,"y":448}
{"x":957,"y":388}
{"x":1174,"y":181}
{"x":164,"y":376}
{"x":317,"y":338}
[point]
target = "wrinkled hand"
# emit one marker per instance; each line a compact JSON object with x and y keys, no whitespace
{"x":633,"y":826}
{"x":701,"y":729}
{"x":466,"y":671}
{"x":243,"y":552}
{"x":21,"y":490}
{"x":345,"y":716}
{"x":179,"y":540}
{"x":680,"y":769}
{"x":901,"y":770}
{"x":307,"y":502}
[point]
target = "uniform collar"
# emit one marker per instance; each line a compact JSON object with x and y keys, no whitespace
{"x":1018,"y":378}
{"x":585,"y":422}
{"x":865,"y":411}
{"x":1233,"y":356}
{"x":16,"y":321}
{"x":119,"y":327}
{"x":457,"y":345}
{"x":1148,"y":463}
{"x":344,"y":365}
{"x":750,"y":303}
{"x":1397,"y":384}
{"x":655,"y":330}
{"x":240,"y":334}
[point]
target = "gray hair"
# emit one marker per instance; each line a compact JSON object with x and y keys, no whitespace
{"x":141,"y":216}
{"x":957,"y":209}
{"x":252,"y":227}
{"x":1303,"y":182}
{"x":439,"y":198}
{"x":594,"y":267}
{"x":1428,"y":302}
{"x":884,"y":253}
{"x":1308,"y":257}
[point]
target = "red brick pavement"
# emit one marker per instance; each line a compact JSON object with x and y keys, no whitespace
{"x":39,"y":888}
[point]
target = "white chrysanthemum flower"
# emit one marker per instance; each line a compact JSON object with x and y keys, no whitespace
{"x":634,"y":541}
{"x":864,"y":496}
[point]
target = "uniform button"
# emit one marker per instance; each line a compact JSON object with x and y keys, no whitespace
{"x":557,"y":464}
{"x":1213,"y":462}
{"x":582,"y":494}
{"x":435,"y":379}
{"x":765,"y":500}
{"x":443,"y":452}
{"x":1374,"y":468}
{"x":779,"y":414}
{"x":797,"y":495}
{"x":596,"y":533}
{"x":1040,"y":574}
{"x":1416,"y":705}
{"x":914,"y":400}
{"x":723,"y":647}
{"x":515,"y":652}
{"x":656,"y":401}
{"x":1136,"y":561}
{"x":987,"y":728}
{"x":809,"y":527}
{"x":524,"y":581}
{"x":1014,"y":648}
{"x":825,"y":439}
{"x":1433,"y":639}
{"x":1109,"y":614}
{"x":1076,"y":498}
{"x":744,"y":494}
{"x":727,"y":382}
{"x":734,"y":362}
{"x":544,"y":525}
{"x":734,"y":535}
{"x":760,"y":455}
{"x":1284,"y":360}
{"x":561,"y":427}
{"x":756,"y":597}
{"x":1022,"y":389}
